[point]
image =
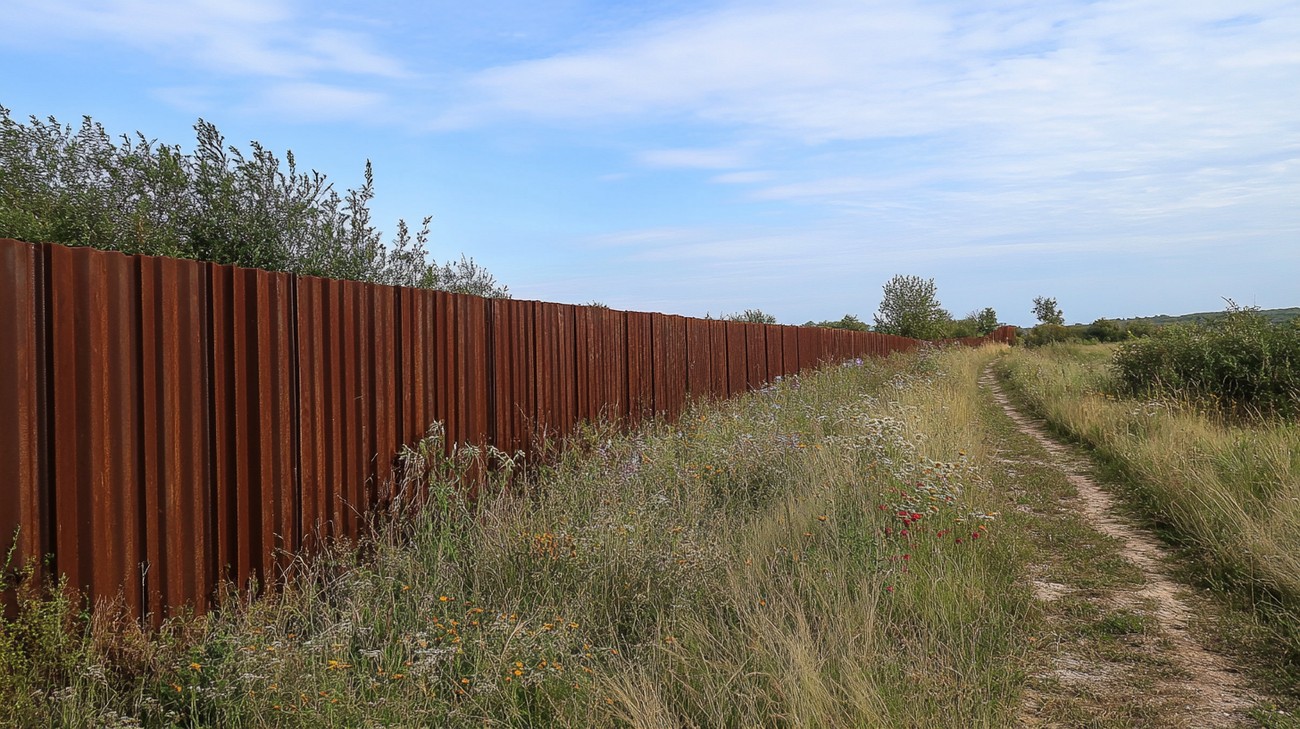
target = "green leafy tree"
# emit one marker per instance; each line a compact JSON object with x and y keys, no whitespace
{"x":755,"y":316}
{"x":910,"y":308}
{"x":217,"y":203}
{"x":986,"y":320}
{"x":1047,"y":312}
{"x":957,"y":328}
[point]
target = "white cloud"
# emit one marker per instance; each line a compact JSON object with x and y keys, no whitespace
{"x":259,"y":38}
{"x":315,"y":101}
{"x":746,"y":177}
{"x":1020,"y":93}
{"x":702,"y":159}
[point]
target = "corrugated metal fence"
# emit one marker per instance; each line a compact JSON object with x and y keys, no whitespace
{"x":166,"y":425}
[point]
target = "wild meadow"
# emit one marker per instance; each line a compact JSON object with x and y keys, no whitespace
{"x":1217,"y":475}
{"x":825,"y":552}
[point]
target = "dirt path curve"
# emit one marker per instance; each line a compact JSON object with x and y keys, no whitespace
{"x":1211,"y":691}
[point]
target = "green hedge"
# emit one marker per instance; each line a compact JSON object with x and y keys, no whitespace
{"x":1241,"y":362}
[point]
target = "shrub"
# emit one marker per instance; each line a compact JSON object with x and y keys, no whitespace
{"x":1048,"y":334}
{"x":216,"y":203}
{"x":754,"y":316}
{"x":1110,"y":330}
{"x":1241,"y":362}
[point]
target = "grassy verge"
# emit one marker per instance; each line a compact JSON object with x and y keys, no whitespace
{"x":1227,"y":493}
{"x":821,"y":553}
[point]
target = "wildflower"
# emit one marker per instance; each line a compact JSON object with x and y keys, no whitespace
{"x":443,"y":598}
{"x":196,"y":667}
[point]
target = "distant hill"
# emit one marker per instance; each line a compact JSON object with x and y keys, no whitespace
{"x":1276,"y":316}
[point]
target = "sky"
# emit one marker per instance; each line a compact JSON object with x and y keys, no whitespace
{"x":1126,"y":157}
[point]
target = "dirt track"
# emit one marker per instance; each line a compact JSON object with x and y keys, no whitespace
{"x":1204,"y":689}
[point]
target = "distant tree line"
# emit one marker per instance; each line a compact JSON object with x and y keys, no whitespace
{"x":216,"y":203}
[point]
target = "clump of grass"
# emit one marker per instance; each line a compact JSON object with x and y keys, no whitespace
{"x":819,"y":553}
{"x":1229,"y":490}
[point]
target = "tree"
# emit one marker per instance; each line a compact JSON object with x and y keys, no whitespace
{"x":986,"y":320}
{"x":910,"y":308}
{"x":755,"y":316}
{"x":217,"y":203}
{"x":1047,"y":311}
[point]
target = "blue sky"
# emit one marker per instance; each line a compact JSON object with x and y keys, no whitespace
{"x":1127,"y":157}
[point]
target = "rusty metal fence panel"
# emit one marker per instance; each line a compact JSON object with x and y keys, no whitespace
{"x":790,"y":350}
{"x":737,"y":358}
{"x":719,"y":373}
{"x":755,"y":355}
{"x":775,"y":351}
{"x":95,"y":387}
{"x":511,"y":392}
{"x":24,"y":470}
{"x":670,"y":364}
{"x":254,"y":447}
{"x":699,"y":363}
{"x":640,"y":367}
{"x":177,"y":467}
{"x":556,"y":368}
